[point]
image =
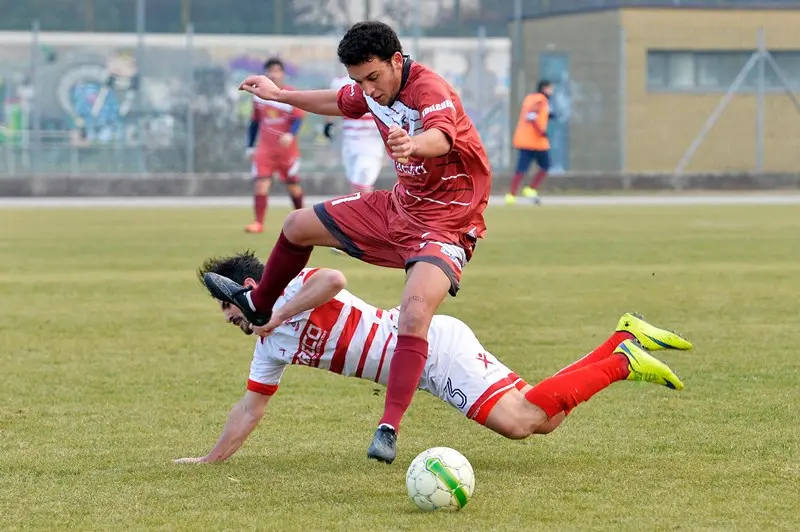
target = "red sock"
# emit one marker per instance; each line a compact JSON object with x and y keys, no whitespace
{"x":562,"y":393}
{"x":260,"y":207}
{"x":603,"y":351}
{"x":298,"y":201}
{"x":284,"y":263}
{"x":538,"y":178}
{"x":405,"y":370}
{"x":515,"y":182}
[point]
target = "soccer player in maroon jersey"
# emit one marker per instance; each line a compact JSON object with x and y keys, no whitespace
{"x":428,"y":224}
{"x":319,"y":324}
{"x":275,"y":125}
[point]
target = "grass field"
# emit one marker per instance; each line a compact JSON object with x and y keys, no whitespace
{"x":113,"y":362}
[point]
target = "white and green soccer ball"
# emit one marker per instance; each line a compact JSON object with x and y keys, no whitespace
{"x":440,"y":478}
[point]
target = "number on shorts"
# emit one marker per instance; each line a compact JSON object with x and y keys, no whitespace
{"x":345,"y":199}
{"x":457,"y":397}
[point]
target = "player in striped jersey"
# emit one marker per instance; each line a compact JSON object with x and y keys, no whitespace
{"x":362,"y":146}
{"x":317,"y":323}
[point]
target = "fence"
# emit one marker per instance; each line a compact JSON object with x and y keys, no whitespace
{"x":166,"y":103}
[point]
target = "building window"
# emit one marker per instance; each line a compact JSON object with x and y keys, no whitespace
{"x":715,"y":71}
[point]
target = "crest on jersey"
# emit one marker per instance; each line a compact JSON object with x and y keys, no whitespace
{"x":272,"y":112}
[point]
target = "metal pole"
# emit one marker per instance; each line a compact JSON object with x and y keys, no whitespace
{"x":760,"y":90}
{"x":481,"y":69}
{"x":190,"y":99}
{"x":517,"y":44}
{"x":36,"y":107}
{"x":417,"y":28}
{"x":140,"y":29}
{"x":518,"y":69}
{"x":787,"y":86}
{"x":717,"y":113}
{"x":623,"y":104}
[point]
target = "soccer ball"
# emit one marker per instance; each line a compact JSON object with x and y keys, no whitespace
{"x":440,"y":478}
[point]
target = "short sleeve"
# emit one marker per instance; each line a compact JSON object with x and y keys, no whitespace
{"x":265,"y":372}
{"x":293,"y":287}
{"x":434,"y":98}
{"x":351,"y":101}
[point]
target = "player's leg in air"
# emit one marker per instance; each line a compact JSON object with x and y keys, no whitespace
{"x":516,"y":410}
{"x":262,"y":182}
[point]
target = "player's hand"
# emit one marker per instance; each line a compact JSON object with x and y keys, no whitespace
{"x":286,"y":139}
{"x":260,"y":86}
{"x":400,"y":143}
{"x":266,"y":330}
{"x":198,"y":460}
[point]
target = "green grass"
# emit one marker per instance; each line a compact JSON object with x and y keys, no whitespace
{"x":113,"y":362}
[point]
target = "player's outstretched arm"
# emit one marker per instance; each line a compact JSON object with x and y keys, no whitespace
{"x":243,"y":418}
{"x":321,"y":102}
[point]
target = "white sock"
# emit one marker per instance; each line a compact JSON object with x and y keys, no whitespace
{"x":250,"y":301}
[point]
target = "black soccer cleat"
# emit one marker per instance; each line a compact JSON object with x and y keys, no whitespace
{"x":228,"y":291}
{"x":384,"y":445}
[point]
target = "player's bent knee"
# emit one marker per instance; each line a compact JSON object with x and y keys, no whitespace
{"x":514,"y":417}
{"x":414,"y":320}
{"x":295,"y":226}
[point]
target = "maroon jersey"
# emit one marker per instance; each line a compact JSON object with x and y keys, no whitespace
{"x":447,"y":193}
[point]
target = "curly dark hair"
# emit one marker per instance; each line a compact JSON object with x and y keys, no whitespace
{"x":273,"y":61}
{"x":236,"y":268}
{"x":368,"y":39}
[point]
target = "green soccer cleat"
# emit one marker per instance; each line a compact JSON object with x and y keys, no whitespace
{"x":651,"y":337}
{"x":646,"y":368}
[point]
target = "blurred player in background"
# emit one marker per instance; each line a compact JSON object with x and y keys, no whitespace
{"x":362,"y":146}
{"x":272,"y":147}
{"x":428,"y":224}
{"x":530,"y":138}
{"x":317,"y":323}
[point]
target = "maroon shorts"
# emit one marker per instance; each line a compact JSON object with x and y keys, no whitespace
{"x":265,"y":167}
{"x":369,"y":227}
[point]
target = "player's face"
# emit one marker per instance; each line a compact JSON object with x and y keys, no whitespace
{"x":276,"y":74}
{"x":235,"y":317}
{"x":548,"y":90}
{"x":380,"y":80}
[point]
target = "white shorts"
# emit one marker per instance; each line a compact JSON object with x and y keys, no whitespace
{"x":462,"y":372}
{"x":362,"y":160}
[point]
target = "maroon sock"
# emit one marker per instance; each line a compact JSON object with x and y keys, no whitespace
{"x":283,"y":265}
{"x":405,"y":370}
{"x":260,"y":207}
{"x":515,"y":182}
{"x":538,"y":178}
{"x":298,"y":201}
{"x":603,"y":351}
{"x":563,"y":392}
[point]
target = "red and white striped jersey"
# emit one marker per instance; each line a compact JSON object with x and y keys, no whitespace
{"x":344,"y":335}
{"x":356,"y":127}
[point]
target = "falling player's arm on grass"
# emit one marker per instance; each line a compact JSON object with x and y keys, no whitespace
{"x":319,"y":287}
{"x":242,"y":420}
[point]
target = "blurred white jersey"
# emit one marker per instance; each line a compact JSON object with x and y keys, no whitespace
{"x":362,"y":146}
{"x":348,"y":336}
